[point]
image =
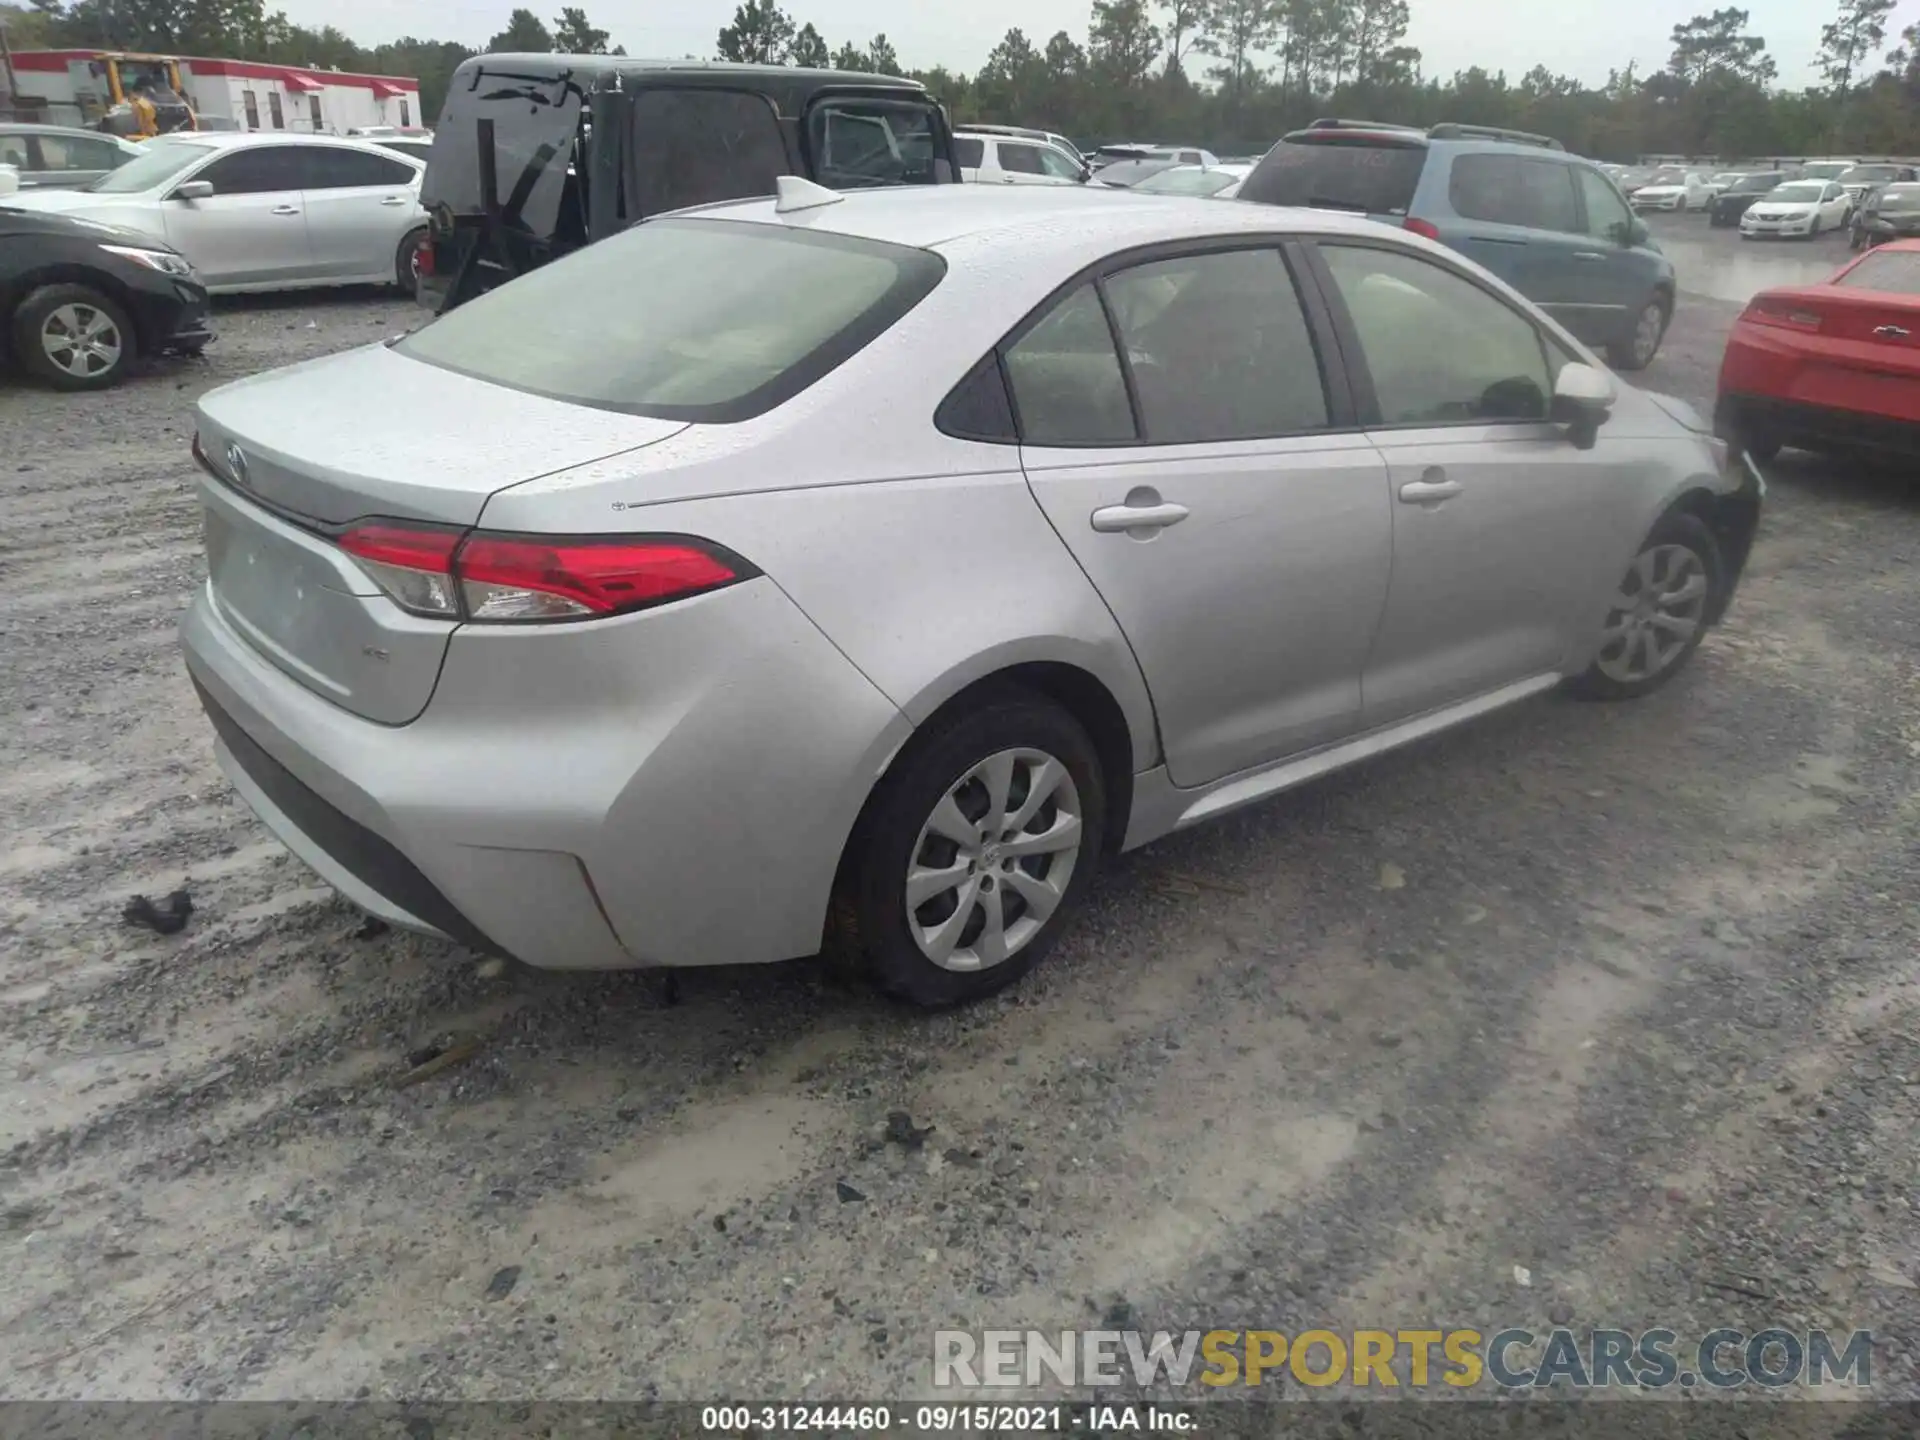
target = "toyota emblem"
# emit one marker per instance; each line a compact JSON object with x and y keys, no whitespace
{"x":237,"y":463}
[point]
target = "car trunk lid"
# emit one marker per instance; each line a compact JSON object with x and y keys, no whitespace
{"x":296,"y":455}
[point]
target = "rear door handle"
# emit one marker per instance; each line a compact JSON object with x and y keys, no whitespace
{"x":1429,"y":492}
{"x":1892,"y":332}
{"x":1122,"y":519}
{"x":286,"y":210}
{"x":1588,"y":255}
{"x":394,"y":200}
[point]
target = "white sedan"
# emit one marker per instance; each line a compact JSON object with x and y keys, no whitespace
{"x":1800,"y":207}
{"x":1673,"y":191}
{"x":264,"y":211}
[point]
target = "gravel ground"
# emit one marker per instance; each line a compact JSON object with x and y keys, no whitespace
{"x":1620,"y":995}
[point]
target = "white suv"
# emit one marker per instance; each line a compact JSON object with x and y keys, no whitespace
{"x":989,"y":159}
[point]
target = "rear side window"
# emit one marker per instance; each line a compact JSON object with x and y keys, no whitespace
{"x":969,"y":152}
{"x":1491,"y":367}
{"x":1021,"y":159}
{"x":336,"y":168}
{"x":1371,"y":177}
{"x":1514,"y":190}
{"x":1065,"y":373}
{"x":1219,"y":348}
{"x":1896,"y":272}
{"x":697,"y":147}
{"x":690,"y":319}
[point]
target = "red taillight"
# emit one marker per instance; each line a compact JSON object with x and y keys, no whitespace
{"x":1783,"y":314}
{"x":505,"y":579}
{"x":1421,"y":227}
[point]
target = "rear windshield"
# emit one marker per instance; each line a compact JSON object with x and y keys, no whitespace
{"x":1870,"y":174}
{"x":1899,"y":199}
{"x":1756,"y":184}
{"x":1183,"y":180}
{"x":683,"y":319}
{"x":1371,"y":178}
{"x":1824,"y":170}
{"x":1896,"y":272}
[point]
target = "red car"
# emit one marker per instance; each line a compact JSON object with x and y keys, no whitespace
{"x":1829,"y":366}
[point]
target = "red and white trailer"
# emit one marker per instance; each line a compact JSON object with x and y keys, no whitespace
{"x":76,"y":87}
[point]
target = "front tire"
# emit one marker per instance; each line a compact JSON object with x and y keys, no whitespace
{"x":1657,"y":616}
{"x":72,"y":337}
{"x":976,"y":850}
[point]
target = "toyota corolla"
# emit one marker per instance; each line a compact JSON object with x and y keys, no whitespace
{"x":896,"y":556}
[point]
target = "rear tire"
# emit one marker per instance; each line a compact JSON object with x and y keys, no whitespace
{"x":406,"y":262}
{"x":937,"y":821}
{"x":1657,"y":617}
{"x":72,"y":337}
{"x":1636,"y":352}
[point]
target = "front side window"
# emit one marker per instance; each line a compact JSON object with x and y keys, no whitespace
{"x":1058,"y":165}
{"x":1441,"y":350}
{"x":690,"y":319}
{"x":258,"y":170}
{"x":1219,"y":348}
{"x":1514,"y":190}
{"x":1066,"y":377}
{"x":1608,"y":217}
{"x":698,"y":147}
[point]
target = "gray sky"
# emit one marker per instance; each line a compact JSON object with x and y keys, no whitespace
{"x":1579,"y":40}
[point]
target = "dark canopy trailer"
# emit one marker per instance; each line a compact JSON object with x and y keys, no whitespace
{"x":538,"y":155}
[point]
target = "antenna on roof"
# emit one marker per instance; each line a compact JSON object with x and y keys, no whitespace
{"x":793,"y":193}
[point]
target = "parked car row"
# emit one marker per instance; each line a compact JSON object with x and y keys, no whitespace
{"x":123,"y":266}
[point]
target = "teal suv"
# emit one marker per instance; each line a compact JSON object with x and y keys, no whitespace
{"x":1550,"y":224}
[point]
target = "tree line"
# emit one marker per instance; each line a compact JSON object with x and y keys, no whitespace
{"x":1230,"y":74}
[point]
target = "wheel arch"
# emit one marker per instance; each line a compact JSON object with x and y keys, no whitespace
{"x":1733,"y":517}
{"x":67,"y":272}
{"x":1078,"y":691}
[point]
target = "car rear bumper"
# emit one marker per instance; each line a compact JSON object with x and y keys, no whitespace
{"x":581,"y":797}
{"x":1815,"y":427}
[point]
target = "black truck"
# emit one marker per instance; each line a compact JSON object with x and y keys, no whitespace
{"x":538,"y":155}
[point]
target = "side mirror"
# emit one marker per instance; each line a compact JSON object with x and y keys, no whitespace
{"x":193,"y":190}
{"x":1582,"y":400}
{"x":1637,"y":233}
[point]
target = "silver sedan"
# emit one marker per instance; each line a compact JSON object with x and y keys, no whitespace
{"x":264,"y":211}
{"x":898,"y":556}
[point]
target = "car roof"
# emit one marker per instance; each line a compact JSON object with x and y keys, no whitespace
{"x":1065,"y":223}
{"x":583,"y":69}
{"x":245,"y":139}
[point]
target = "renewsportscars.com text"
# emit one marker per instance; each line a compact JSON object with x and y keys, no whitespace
{"x":1392,"y":1359}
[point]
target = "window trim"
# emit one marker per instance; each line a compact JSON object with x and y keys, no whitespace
{"x":1365,"y":399}
{"x":1343,"y":413}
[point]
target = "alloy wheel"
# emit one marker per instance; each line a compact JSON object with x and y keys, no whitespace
{"x":82,"y":340}
{"x":1655,"y":615}
{"x":993,"y":861}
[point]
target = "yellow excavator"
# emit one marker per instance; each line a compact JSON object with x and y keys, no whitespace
{"x":145,"y":96}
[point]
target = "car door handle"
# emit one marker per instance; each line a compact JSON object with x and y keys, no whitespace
{"x":1588,"y":255}
{"x":1892,"y":332}
{"x":1429,"y":491}
{"x":394,"y":200}
{"x":1120,"y":519}
{"x":1497,"y":239}
{"x":285,"y":210}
